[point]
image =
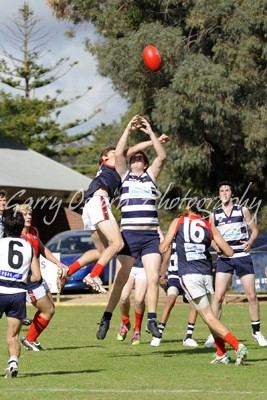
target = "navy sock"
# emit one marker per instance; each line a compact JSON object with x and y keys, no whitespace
{"x":190,"y":330}
{"x":256,"y":326}
{"x":107,"y":315}
{"x":151,"y":316}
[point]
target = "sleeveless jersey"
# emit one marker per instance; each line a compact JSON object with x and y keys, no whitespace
{"x":233,"y":229}
{"x":173,"y":263}
{"x":33,"y":239}
{"x":138,"y":200}
{"x":193,"y":238}
{"x":15,"y":261}
{"x":106,"y":178}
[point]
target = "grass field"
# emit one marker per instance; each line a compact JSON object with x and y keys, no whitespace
{"x":78,"y":366}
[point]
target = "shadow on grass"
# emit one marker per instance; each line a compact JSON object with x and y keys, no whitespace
{"x":185,"y":350}
{"x":74,"y":347}
{"x":83,"y":371}
{"x":156,"y":351}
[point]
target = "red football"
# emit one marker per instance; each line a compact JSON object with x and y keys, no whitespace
{"x":151,"y":58}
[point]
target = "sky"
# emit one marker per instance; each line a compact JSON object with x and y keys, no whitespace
{"x":80,"y":77}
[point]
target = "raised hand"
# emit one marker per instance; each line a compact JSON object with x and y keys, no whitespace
{"x":134,"y":123}
{"x":163,"y":138}
{"x":145,"y":126}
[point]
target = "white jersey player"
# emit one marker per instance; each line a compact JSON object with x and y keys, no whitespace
{"x":18,"y":265}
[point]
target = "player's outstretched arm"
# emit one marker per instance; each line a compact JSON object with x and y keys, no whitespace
{"x":144,"y":145}
{"x":120,"y":161}
{"x":157,"y":165}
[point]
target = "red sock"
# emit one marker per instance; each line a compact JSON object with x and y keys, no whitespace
{"x":220,"y":346}
{"x":138,"y":320}
{"x":97,"y":270}
{"x":74,"y":267}
{"x":232,"y":340}
{"x":125,"y":320}
{"x":36,"y":328}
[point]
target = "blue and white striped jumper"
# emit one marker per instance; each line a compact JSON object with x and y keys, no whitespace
{"x":138,"y":196}
{"x":233,"y":229}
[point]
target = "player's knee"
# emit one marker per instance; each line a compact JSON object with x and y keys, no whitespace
{"x":139,"y":302}
{"x":170,"y":303}
{"x":123,"y":300}
{"x":152,"y":283}
{"x":51,"y":311}
{"x":218,"y":299}
{"x":252,"y":298}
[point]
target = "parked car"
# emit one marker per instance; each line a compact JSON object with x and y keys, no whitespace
{"x":71,"y":245}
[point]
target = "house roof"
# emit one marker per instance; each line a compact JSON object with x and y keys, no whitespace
{"x":26,"y":169}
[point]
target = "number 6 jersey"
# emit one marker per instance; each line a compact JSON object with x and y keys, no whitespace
{"x":15,"y":260}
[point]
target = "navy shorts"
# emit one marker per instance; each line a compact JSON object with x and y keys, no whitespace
{"x":13,"y":305}
{"x":175,"y":282}
{"x":241,"y":265}
{"x":140,"y":242}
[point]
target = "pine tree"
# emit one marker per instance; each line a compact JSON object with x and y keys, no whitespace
{"x":26,"y":118}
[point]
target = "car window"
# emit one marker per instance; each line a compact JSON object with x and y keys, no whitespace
{"x":71,"y":245}
{"x":53,"y":247}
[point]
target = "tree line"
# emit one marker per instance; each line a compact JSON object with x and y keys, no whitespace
{"x":209,"y":95}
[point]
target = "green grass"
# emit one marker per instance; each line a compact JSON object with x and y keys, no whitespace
{"x":78,"y":366}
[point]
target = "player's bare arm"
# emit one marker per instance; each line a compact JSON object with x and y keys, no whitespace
{"x":223,"y":245}
{"x":252,"y":227}
{"x":157,"y":165}
{"x":120,"y":161}
{"x":166,"y":243}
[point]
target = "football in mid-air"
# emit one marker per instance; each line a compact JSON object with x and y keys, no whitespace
{"x":152,"y":57}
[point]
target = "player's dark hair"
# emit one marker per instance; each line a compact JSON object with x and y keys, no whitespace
{"x":226,"y":183}
{"x":13,"y":224}
{"x":142,"y":153}
{"x":3,"y":193}
{"x":196,"y":203}
{"x":105,"y":153}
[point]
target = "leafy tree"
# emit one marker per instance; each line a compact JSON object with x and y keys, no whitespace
{"x":25,"y":118}
{"x":87,"y":162}
{"x":209,"y":94}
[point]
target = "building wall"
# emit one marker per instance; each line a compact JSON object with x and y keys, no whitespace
{"x":74,"y":219}
{"x":52,"y":212}
{"x":50,"y":223}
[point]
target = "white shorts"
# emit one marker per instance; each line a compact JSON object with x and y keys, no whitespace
{"x":197,"y":285}
{"x":138,"y":273}
{"x":37,"y":293}
{"x":97,"y":209}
